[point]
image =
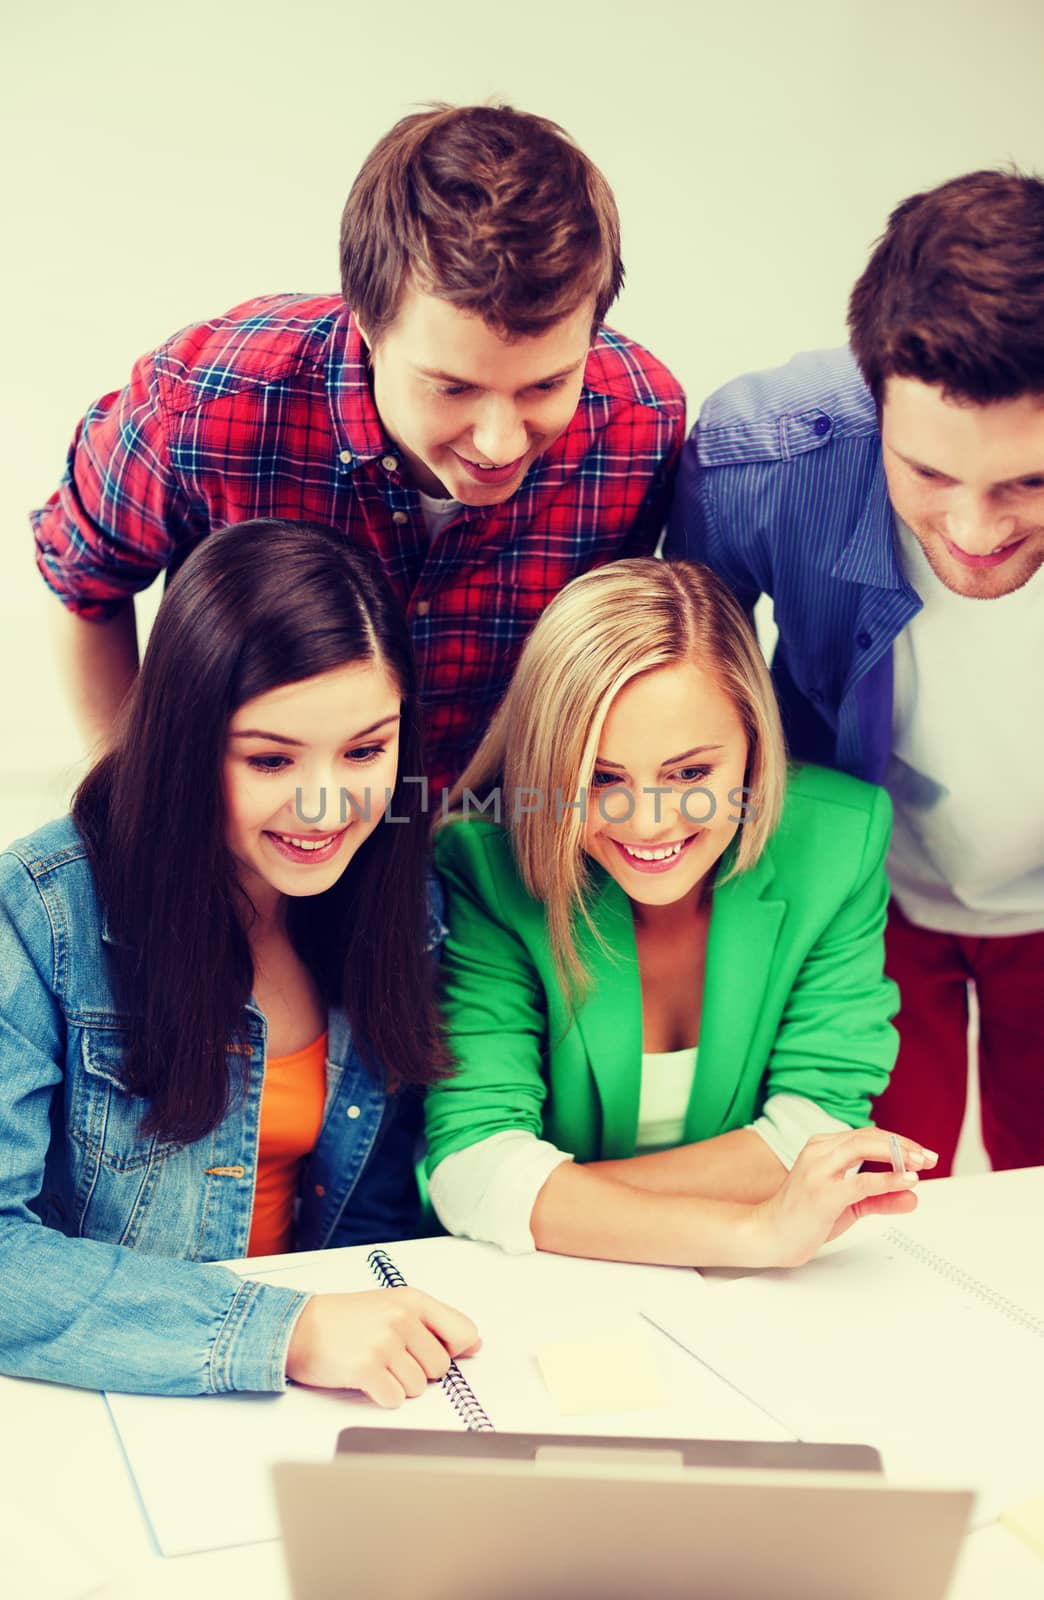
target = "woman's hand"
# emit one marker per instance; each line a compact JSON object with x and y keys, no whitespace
{"x":825,"y":1193}
{"x":387,"y":1342}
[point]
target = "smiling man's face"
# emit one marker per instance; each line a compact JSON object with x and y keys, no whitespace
{"x":469,"y":410}
{"x":968,"y":480}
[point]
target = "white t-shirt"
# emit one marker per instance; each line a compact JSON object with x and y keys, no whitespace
{"x":966,"y":775}
{"x":438,"y":512}
{"x":667,"y":1080}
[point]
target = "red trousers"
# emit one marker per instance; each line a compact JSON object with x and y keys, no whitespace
{"x":925,"y":1097}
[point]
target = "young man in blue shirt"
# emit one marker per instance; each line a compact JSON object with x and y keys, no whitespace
{"x":890,"y":499}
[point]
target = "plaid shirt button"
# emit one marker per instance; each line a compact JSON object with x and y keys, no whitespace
{"x":390,"y":463}
{"x":400,"y":517}
{"x":422,"y":608}
{"x":346,"y":457}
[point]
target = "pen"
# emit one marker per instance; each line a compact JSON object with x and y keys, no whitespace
{"x":895,"y":1150}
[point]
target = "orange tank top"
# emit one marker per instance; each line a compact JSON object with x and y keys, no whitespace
{"x":292,"y":1102}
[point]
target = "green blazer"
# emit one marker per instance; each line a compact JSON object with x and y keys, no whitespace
{"x":794,"y":994}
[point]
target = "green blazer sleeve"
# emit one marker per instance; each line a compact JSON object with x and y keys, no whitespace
{"x":494,"y":1004}
{"x":834,"y":1043}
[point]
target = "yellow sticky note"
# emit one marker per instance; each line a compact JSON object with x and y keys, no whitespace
{"x":1027,"y":1520}
{"x":611,"y":1373}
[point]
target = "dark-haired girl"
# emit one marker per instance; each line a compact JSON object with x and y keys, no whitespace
{"x":215,"y":999}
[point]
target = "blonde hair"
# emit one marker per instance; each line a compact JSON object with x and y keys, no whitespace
{"x":601,"y":631}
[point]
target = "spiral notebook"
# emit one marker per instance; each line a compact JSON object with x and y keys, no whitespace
{"x":454,"y":1385}
{"x":924,"y":1340}
{"x":201,"y":1466}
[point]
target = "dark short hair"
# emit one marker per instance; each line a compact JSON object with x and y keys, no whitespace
{"x":495,"y":210}
{"x":254,"y":606}
{"x":953,"y":294}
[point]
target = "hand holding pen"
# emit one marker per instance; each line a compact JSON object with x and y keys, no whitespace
{"x":825,"y":1192}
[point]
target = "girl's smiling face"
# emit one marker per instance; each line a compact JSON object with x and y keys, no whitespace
{"x":665,"y":798}
{"x":307,"y":771}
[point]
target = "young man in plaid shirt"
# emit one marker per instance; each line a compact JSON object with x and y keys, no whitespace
{"x":462,"y":412}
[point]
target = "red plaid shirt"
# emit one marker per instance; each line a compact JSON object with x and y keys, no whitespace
{"x":268,"y":412}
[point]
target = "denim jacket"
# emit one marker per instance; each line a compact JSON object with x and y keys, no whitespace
{"x":104,"y":1234}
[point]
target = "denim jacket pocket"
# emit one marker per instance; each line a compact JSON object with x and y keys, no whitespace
{"x":104,"y":1116}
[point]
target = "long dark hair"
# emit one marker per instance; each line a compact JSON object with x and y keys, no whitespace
{"x":254,"y":607}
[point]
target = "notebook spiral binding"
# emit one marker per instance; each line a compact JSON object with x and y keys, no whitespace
{"x":967,"y":1281}
{"x":382,"y":1264}
{"x":465,"y":1402}
{"x":455,"y":1386}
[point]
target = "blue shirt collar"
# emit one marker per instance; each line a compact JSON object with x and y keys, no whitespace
{"x":869,"y":556}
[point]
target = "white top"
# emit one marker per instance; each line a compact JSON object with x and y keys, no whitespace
{"x":786,"y":1122}
{"x":966,"y":775}
{"x":437,"y":512}
{"x":488,"y":1191}
{"x":667,"y":1079}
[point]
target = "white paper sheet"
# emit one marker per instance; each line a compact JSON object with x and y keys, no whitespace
{"x":1004,"y":1253}
{"x":201,"y":1465}
{"x":41,"y":1557}
{"x":877,"y":1345}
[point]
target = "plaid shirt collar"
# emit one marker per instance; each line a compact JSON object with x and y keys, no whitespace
{"x":356,"y":423}
{"x":361,"y":435}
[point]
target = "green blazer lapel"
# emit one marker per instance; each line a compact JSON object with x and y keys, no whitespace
{"x":741,"y":943}
{"x":610,"y":1020}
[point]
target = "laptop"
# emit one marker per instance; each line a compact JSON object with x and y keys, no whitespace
{"x":492,"y":1516}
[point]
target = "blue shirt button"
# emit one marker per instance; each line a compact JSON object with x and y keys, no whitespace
{"x":821,"y":426}
{"x":864,"y":640}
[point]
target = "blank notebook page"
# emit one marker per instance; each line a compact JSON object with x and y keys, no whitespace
{"x":893,"y":1342}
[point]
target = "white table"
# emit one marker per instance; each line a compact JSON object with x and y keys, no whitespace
{"x":63,"y":1480}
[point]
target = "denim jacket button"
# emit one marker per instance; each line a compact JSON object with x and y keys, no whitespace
{"x":353,"y":1112}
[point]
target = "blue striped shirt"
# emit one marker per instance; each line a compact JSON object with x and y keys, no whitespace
{"x":782,"y":492}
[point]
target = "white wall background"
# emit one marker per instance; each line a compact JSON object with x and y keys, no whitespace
{"x":166,"y":161}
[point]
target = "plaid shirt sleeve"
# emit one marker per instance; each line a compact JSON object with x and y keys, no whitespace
{"x":117,"y":518}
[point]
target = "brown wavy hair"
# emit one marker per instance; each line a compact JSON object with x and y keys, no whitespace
{"x":495,"y":210}
{"x":953,"y":294}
